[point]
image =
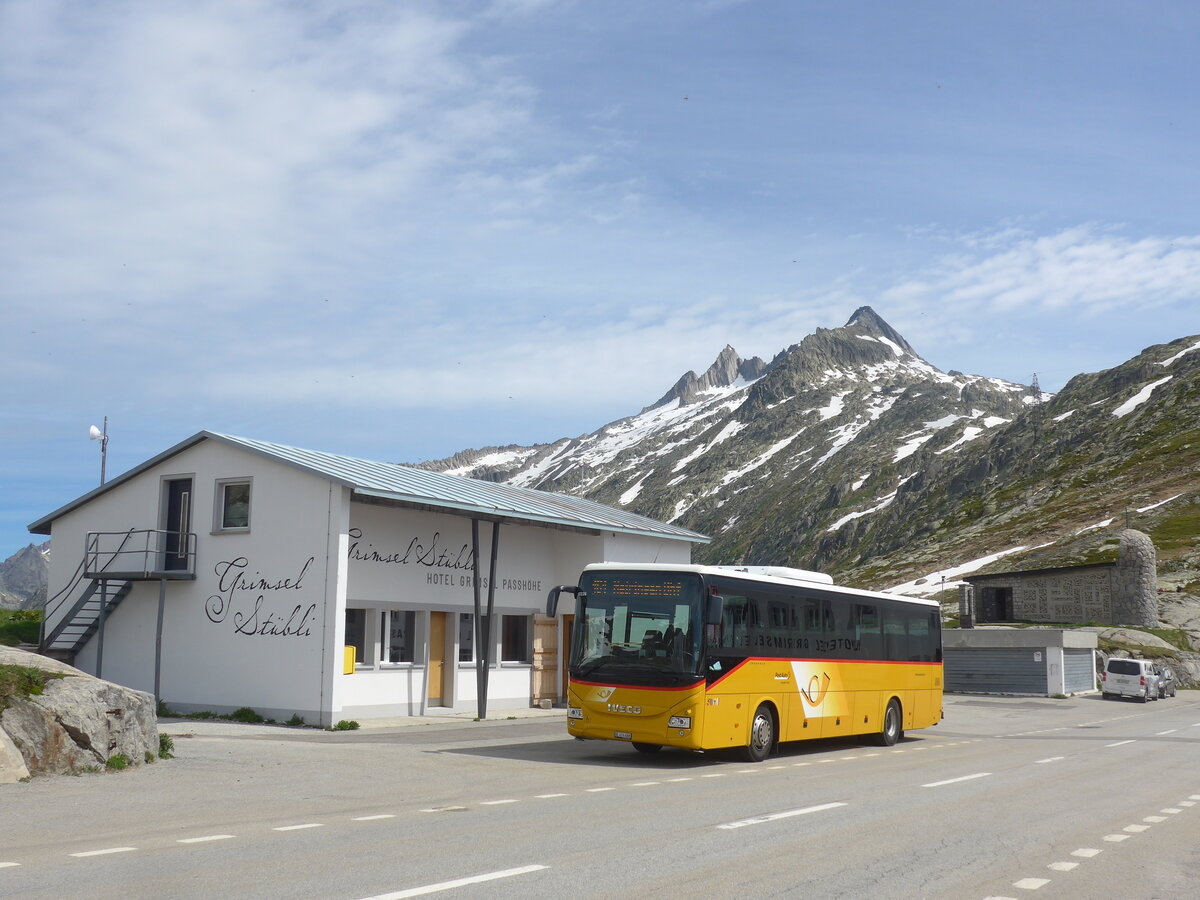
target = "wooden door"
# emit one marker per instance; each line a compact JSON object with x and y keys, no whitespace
{"x":436,"y":687}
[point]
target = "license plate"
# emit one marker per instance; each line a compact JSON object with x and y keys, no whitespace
{"x":623,"y":735}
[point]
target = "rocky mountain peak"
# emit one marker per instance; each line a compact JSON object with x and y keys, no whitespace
{"x":726,"y":369}
{"x":869,"y":323}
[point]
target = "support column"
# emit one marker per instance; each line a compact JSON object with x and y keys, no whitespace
{"x":162,"y":602}
{"x":100,"y":630}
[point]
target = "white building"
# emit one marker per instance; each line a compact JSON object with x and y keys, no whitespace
{"x":238,"y":573}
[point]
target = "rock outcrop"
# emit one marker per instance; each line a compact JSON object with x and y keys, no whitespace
{"x":76,"y":724}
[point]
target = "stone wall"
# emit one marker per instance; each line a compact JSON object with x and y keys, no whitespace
{"x":1122,"y":594}
{"x":1081,"y":596}
{"x":1135,"y":581}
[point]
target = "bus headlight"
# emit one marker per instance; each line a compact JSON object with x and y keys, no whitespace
{"x":574,"y":712}
{"x":679,"y":722}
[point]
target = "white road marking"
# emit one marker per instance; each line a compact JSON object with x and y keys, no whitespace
{"x":434,"y":809}
{"x":373,"y":818}
{"x":714,"y":775}
{"x":772,"y":817}
{"x":646,"y":783}
{"x":600,"y":790}
{"x":206,"y":839}
{"x":7,"y":865}
{"x":1062,"y":866}
{"x":550,"y":796}
{"x":1168,"y":731}
{"x":1121,"y":743}
{"x":1171,"y":811}
{"x":498,"y":802}
{"x":458,"y":882}
{"x":1155,"y":819}
{"x":756,"y":771}
{"x":1136,"y":829}
{"x":1050,"y":759}
{"x":956,"y":780}
{"x":299,"y":827}
{"x":1186,"y":803}
{"x":847,"y":757}
{"x":104,"y":852}
{"x":675,"y":780}
{"x":1194,"y":797}
{"x":1116,"y":838}
{"x":1031,"y":884}
{"x":1086,"y":852}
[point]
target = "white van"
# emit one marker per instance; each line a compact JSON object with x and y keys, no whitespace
{"x":1129,"y":678}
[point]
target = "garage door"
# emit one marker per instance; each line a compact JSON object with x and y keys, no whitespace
{"x":996,"y":670}
{"x":1079,"y":667}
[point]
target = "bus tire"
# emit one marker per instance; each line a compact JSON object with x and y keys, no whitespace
{"x":893,"y":725}
{"x":762,"y":735}
{"x":646,"y":748}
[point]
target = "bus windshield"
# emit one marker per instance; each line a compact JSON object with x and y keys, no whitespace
{"x":638,"y":628}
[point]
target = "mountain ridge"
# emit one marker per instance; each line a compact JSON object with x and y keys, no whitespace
{"x":852,"y":454}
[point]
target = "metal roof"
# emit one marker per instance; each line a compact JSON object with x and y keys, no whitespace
{"x":408,"y":485}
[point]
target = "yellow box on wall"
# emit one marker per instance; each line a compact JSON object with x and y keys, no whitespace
{"x":348,"y":661}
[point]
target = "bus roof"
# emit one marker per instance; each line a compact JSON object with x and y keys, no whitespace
{"x":777,"y":575}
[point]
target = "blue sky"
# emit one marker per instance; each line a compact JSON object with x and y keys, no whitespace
{"x":397,"y":230}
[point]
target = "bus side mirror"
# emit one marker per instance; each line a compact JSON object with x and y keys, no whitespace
{"x":714,"y":610}
{"x":552,"y":598}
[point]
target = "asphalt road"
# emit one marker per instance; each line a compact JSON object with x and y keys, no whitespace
{"x":1008,"y":797}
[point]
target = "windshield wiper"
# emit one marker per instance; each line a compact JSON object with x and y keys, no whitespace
{"x":591,"y":665}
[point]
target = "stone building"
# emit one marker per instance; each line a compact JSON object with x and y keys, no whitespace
{"x":1124,"y":592}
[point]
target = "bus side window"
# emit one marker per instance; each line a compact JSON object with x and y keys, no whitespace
{"x":867,"y":630}
{"x":895,"y":633}
{"x":920,"y":642}
{"x":734,"y":622}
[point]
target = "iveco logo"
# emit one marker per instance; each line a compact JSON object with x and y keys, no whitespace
{"x":621,"y":708}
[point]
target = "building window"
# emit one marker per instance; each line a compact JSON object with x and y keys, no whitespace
{"x":514,"y":639}
{"x":466,"y":638}
{"x":356,"y":633}
{"x":232,"y":505}
{"x":398,"y":629}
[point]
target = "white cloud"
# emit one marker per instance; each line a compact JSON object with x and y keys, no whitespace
{"x":1085,"y":270}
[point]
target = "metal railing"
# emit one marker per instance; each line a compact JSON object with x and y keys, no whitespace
{"x":148,"y":553}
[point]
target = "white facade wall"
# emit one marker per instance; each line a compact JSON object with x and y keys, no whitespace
{"x":258,"y":626}
{"x":263,"y":625}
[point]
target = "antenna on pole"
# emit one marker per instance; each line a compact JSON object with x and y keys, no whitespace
{"x":95,"y":434}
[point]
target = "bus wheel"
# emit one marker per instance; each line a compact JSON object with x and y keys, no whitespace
{"x":646,"y":748}
{"x":762,"y":735}
{"x":892,"y":731}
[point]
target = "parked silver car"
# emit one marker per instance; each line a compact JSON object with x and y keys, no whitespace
{"x":1166,"y":681}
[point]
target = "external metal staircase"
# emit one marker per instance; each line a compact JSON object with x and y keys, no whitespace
{"x":76,"y":625}
{"x":112,"y":563}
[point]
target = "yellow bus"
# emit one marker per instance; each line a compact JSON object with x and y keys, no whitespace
{"x":717,"y":657}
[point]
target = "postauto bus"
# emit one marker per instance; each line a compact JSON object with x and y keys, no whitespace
{"x":717,"y":657}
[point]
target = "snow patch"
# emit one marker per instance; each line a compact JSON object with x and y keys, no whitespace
{"x":630,"y":495}
{"x":969,"y":434}
{"x":932,"y":583}
{"x":1139,"y":398}
{"x":836,"y":405}
{"x":1167,"y":362}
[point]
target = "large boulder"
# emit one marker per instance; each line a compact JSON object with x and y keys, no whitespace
{"x":76,"y":724}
